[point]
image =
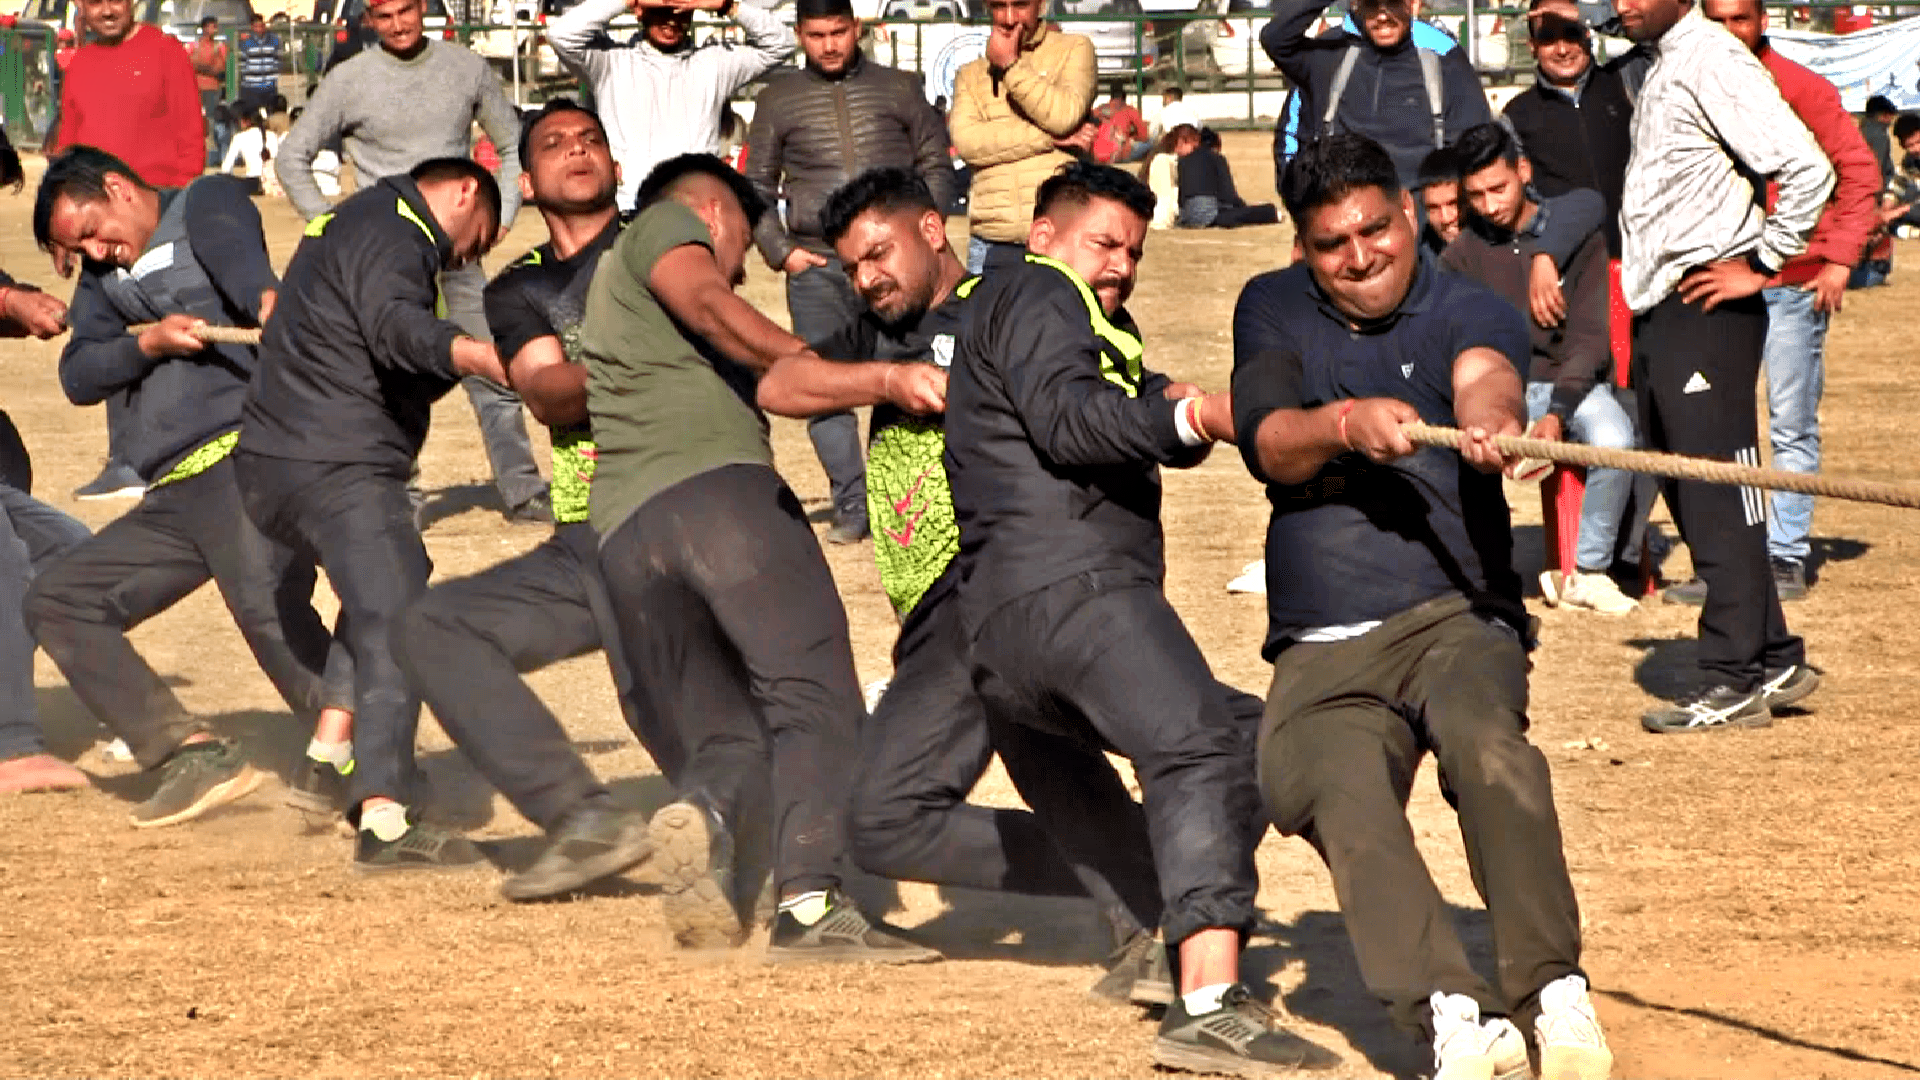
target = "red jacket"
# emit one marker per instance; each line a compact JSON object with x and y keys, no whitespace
{"x":137,"y":101}
{"x":1848,"y":222}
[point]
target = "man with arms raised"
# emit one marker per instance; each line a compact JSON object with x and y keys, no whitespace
{"x":727,"y":612}
{"x":350,"y":367}
{"x":927,"y":744}
{"x":660,"y":94}
{"x":1697,"y":246}
{"x":1055,"y":437}
{"x":814,"y":130}
{"x":1394,"y":619}
{"x":411,"y":100}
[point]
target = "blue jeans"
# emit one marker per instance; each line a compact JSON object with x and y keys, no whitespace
{"x":1795,"y":360}
{"x":821,"y":302}
{"x":1600,"y":420}
{"x":32,"y":534}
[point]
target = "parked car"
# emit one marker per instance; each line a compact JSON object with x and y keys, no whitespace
{"x":181,"y":18}
{"x":1117,"y":47}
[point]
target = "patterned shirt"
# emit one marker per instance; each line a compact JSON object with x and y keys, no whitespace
{"x":543,"y":295}
{"x":1709,"y":121}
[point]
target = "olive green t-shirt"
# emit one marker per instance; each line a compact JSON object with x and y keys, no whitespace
{"x":664,"y":407}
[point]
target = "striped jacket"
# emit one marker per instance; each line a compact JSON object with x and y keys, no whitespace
{"x":1709,"y":127}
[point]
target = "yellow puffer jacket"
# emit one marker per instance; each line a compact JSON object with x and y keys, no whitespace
{"x":1005,"y":133}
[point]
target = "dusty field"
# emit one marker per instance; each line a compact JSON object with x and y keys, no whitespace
{"x":1750,"y":898}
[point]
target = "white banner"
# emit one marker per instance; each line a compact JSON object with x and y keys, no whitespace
{"x":1883,"y":60}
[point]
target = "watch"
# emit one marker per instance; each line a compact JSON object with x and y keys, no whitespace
{"x":1758,"y":265}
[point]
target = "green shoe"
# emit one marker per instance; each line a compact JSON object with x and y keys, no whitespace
{"x":845,"y":935}
{"x":593,"y":842}
{"x":197,"y":778}
{"x":421,"y":847}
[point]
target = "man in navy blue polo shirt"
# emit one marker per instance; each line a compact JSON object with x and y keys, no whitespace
{"x":1394,"y":617}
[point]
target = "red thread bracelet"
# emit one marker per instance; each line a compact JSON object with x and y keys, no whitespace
{"x":1341,"y":420}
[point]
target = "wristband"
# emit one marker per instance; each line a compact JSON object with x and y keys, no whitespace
{"x":1186,"y":423}
{"x":1759,"y":265}
{"x":1341,"y":422}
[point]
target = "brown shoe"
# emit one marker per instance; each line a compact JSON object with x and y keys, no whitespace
{"x":40,"y":772}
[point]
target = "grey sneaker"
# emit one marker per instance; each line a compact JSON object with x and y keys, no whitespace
{"x":849,"y":527}
{"x":317,"y":787}
{"x":116,"y":481}
{"x":693,"y":849}
{"x":1693,"y":593}
{"x":1240,"y":1038}
{"x":1710,"y":710}
{"x":594,"y":842}
{"x":843,"y":934}
{"x":421,"y":847}
{"x":1138,"y":973}
{"x":197,"y":778}
{"x":1788,"y":686}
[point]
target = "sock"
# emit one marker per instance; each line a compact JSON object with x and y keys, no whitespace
{"x":1206,"y":999}
{"x":807,"y":908}
{"x":387,"y":821}
{"x":337,"y":754}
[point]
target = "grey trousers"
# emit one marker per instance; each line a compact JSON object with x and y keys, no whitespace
{"x":32,"y":536}
{"x":503,"y":425}
{"x":821,"y":300}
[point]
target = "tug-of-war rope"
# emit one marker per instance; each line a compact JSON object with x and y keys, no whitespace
{"x":1675,"y":466}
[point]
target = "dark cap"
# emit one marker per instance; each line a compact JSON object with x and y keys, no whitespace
{"x":822,"y":9}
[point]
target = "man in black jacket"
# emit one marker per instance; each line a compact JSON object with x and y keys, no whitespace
{"x":814,"y":130}
{"x":1376,"y":83}
{"x":175,"y":260}
{"x":1576,"y":121}
{"x":350,"y":367}
{"x":1055,"y":438}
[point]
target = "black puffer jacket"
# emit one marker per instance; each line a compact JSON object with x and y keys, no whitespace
{"x":812,"y":133}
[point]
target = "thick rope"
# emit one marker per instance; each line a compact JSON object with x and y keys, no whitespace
{"x":1678,"y":467}
{"x":214,"y":335}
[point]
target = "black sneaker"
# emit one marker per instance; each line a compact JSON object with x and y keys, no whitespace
{"x":843,"y":934}
{"x":849,"y":527}
{"x":197,"y":778}
{"x":421,"y":847}
{"x":1790,"y":579}
{"x":535,"y":511}
{"x":693,"y":849}
{"x":1789,"y":685}
{"x":1138,"y":973}
{"x":1692,"y":593}
{"x":317,"y":787}
{"x":1710,"y":710}
{"x":116,"y":481}
{"x":1240,"y":1038}
{"x":593,"y":842}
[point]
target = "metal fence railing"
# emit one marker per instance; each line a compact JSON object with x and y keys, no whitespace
{"x":1210,"y":50}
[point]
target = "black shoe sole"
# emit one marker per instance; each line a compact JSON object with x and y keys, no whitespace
{"x":312,"y":802}
{"x":698,"y":911}
{"x":849,"y":954}
{"x":1793,"y":694}
{"x":632,"y":848}
{"x":1762,"y":719}
{"x":384,"y":869}
{"x":1185,"y":1057}
{"x":233,"y":789}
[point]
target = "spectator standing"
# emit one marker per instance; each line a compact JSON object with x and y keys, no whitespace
{"x":130,"y":91}
{"x":661,"y":95}
{"x":1120,"y":132}
{"x":1876,"y":127}
{"x":813,"y":131}
{"x":1575,"y":121}
{"x":1411,"y":100}
{"x":1018,"y":113}
{"x":209,"y":57}
{"x":445,"y":88}
{"x":1697,"y":247}
{"x":1809,"y":288}
{"x":1208,"y":197}
{"x":259,"y":65}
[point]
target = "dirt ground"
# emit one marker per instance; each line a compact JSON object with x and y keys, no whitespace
{"x":1750,"y":898}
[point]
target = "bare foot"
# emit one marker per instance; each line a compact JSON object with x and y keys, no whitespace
{"x":40,"y":772}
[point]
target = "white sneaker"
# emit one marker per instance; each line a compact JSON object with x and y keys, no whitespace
{"x":1464,"y":1048}
{"x":873,"y":692}
{"x":1572,"y":1046}
{"x":1595,"y":592}
{"x":1252,"y":580}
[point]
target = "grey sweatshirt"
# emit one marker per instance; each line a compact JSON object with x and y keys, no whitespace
{"x":658,"y":105}
{"x":393,"y":114}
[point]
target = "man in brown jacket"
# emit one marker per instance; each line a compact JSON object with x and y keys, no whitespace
{"x":1018,"y":114}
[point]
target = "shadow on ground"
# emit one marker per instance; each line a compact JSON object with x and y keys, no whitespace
{"x":1771,"y":1034}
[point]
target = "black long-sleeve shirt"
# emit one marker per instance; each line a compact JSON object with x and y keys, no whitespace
{"x":1206,"y":172}
{"x":1053,"y":447}
{"x":161,"y":409}
{"x":355,"y":356}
